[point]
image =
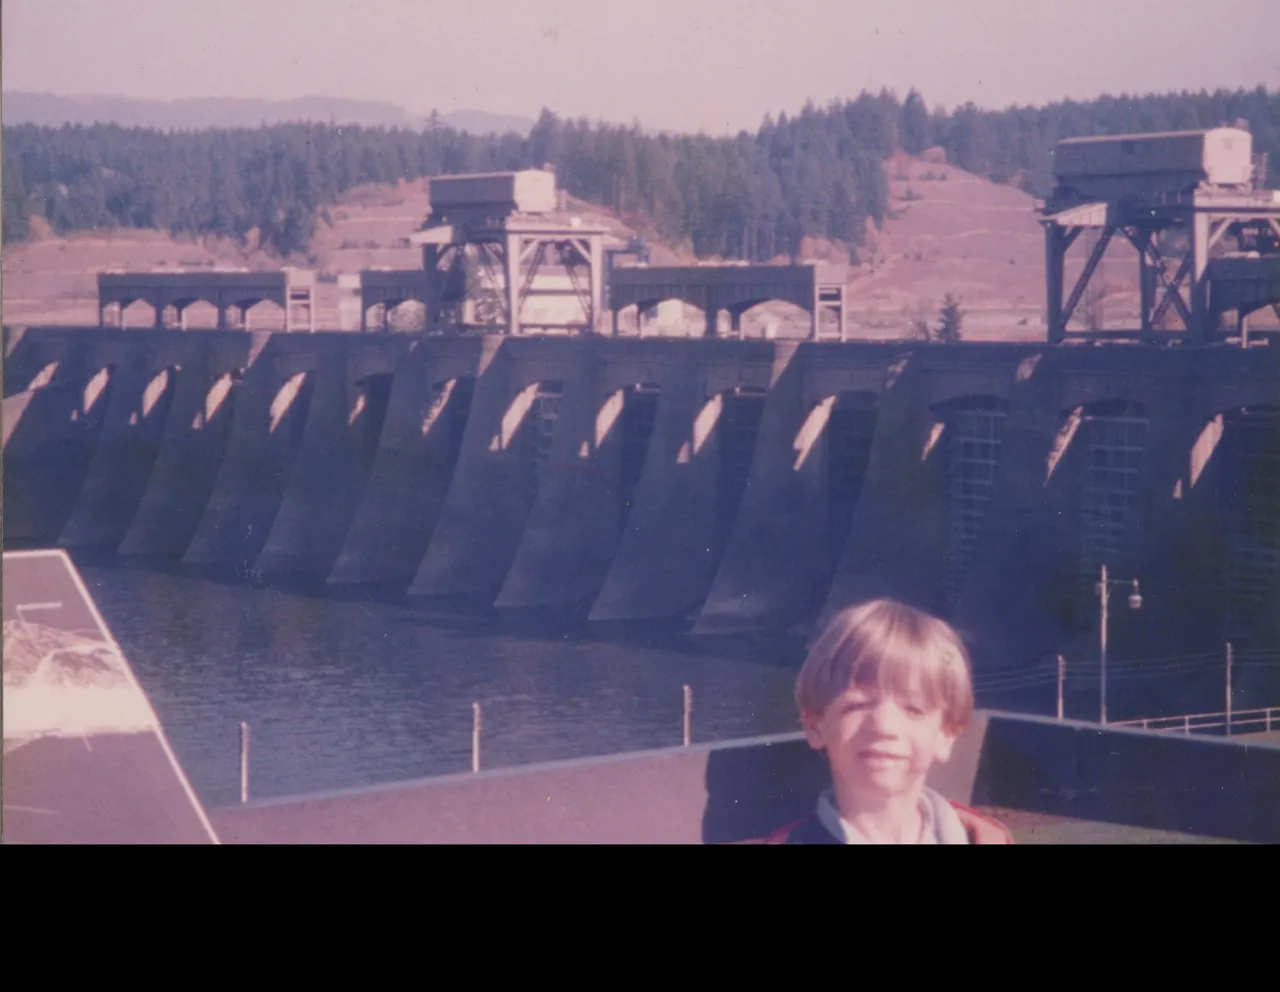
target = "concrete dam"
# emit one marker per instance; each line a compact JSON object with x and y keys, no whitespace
{"x":740,"y":486}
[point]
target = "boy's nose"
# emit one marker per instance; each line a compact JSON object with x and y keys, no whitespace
{"x":886,"y":714}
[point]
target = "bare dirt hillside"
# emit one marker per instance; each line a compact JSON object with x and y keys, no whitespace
{"x":952,"y":232}
{"x":949,"y":232}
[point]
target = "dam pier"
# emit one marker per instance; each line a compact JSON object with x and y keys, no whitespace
{"x":745,"y":486}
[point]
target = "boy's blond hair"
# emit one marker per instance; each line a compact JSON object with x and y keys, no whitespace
{"x":897,"y":647}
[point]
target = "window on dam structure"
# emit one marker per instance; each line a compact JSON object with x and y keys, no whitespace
{"x":639,"y":414}
{"x":851,"y":430}
{"x":1114,"y":446}
{"x":975,"y":433}
{"x":1253,"y":517}
{"x":740,"y":425}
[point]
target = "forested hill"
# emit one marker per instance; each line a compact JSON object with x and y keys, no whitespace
{"x":199,"y":114}
{"x":818,"y":173}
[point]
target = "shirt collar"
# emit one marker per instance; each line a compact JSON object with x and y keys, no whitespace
{"x":940,"y":824}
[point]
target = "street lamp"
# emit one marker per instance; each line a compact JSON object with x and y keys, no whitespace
{"x":1104,"y":594}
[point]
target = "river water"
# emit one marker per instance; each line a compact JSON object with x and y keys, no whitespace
{"x":343,"y":691}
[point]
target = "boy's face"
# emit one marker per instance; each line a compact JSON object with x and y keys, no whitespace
{"x":878,"y":743}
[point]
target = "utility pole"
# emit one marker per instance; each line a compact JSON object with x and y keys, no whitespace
{"x":1104,"y":595}
{"x":1104,"y":590}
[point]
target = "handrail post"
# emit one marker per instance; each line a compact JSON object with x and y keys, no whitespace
{"x":477,"y":721}
{"x":1229,"y":659}
{"x":1104,"y":590}
{"x":688,"y":716}
{"x":244,"y":762}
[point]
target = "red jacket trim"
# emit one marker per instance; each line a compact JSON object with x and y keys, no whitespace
{"x":982,"y":829}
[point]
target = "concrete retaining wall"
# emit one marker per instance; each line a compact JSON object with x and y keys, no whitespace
{"x":742,"y":789}
{"x":1206,"y":786}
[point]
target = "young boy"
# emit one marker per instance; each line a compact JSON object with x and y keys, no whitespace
{"x":885,"y":692}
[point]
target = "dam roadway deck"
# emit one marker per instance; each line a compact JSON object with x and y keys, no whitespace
{"x":746,"y":486}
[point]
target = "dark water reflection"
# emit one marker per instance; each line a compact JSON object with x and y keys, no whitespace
{"x":346,"y":691}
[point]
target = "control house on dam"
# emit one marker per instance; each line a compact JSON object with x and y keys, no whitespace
{"x":739,"y":486}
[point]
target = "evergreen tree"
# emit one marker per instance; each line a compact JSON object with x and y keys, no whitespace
{"x":17,"y":205}
{"x":753,"y":196}
{"x":950,"y":318}
{"x":914,"y":128}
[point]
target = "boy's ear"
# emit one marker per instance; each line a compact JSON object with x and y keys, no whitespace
{"x":946,"y":745}
{"x":813,"y":730}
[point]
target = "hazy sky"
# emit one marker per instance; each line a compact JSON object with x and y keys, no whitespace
{"x":717,"y":65}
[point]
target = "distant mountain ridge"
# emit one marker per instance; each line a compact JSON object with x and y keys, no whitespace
{"x":51,"y":110}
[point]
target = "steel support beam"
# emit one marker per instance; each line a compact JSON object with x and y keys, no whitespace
{"x":1140,"y":238}
{"x":1090,"y":267}
{"x":1172,"y":289}
{"x":1056,"y":242}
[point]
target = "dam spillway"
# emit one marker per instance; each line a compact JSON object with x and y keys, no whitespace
{"x":744,"y":486}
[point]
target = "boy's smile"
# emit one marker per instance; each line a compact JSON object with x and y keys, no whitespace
{"x":877,"y":743}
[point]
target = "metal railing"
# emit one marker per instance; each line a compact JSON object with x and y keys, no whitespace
{"x":477,"y":726}
{"x":1237,"y":722}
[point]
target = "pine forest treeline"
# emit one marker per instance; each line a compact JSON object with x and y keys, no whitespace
{"x":818,"y":173}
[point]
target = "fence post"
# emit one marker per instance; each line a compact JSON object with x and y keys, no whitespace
{"x":476,"y":723}
{"x":1186,"y":724}
{"x":1062,"y":677}
{"x":244,"y":762}
{"x":1229,"y":660}
{"x":688,"y":715}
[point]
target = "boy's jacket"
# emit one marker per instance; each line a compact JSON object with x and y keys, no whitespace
{"x":810,"y":830}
